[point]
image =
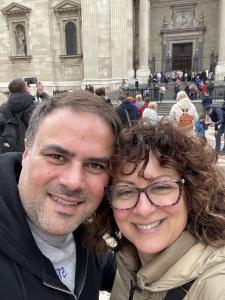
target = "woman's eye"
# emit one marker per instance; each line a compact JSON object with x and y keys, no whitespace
{"x":124,"y":193}
{"x":161,"y":188}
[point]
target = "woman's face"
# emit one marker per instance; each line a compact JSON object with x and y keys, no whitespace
{"x":149,"y":228}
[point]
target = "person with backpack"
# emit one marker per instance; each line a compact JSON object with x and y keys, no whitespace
{"x":183,"y":112}
{"x":16,"y":113}
{"x":165,"y":216}
{"x":127,"y":111}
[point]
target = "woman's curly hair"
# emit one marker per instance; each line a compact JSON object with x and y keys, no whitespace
{"x":192,"y":158}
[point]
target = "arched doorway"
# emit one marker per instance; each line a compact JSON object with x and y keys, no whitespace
{"x":182,"y":56}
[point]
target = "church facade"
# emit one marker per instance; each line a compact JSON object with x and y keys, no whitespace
{"x":73,"y":43}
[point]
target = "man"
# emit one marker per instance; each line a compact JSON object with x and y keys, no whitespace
{"x":206,"y":100}
{"x":20,"y":104}
{"x":101,"y":93}
{"x":20,"y":100}
{"x":127,"y":111}
{"x":136,"y":84}
{"x":217,"y":115}
{"x":45,"y":198}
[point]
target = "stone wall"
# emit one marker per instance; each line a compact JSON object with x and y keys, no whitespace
{"x":105,"y":45}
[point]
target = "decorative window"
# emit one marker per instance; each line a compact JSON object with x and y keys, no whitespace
{"x":68,"y":15}
{"x":17,"y":18}
{"x":71,"y":38}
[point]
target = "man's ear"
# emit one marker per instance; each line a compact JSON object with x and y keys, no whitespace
{"x":25,"y":153}
{"x":26,"y":88}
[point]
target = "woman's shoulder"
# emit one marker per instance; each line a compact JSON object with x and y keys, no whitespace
{"x":208,"y":289}
{"x":210,"y":283}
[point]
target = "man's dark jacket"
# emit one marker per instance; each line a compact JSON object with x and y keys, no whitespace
{"x":20,"y":105}
{"x":19,"y":102}
{"x":217,"y":116}
{"x":206,"y":101}
{"x":26,"y":274}
{"x":132,"y":110}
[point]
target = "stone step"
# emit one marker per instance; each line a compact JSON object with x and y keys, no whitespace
{"x":165,"y":106}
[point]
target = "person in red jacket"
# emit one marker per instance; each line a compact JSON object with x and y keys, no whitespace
{"x":147,"y":100}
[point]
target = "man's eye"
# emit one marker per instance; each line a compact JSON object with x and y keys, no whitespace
{"x":96,"y":166}
{"x":56,"y":157}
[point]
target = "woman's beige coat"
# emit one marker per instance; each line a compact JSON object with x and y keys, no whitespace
{"x":185,"y":104}
{"x":185,"y":260}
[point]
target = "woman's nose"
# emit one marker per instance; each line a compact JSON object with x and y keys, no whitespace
{"x":144,"y":206}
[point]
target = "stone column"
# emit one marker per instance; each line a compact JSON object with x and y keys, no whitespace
{"x":144,"y":30}
{"x":220,"y":68}
{"x":118,"y":40}
{"x":90,"y":41}
{"x":104,"y":39}
{"x":96,"y":33}
{"x":130,"y":40}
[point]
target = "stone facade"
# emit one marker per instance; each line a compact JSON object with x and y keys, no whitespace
{"x":114,"y":39}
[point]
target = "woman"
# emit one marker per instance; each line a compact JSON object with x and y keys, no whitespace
{"x":168,"y":203}
{"x":183,"y":112}
{"x":150,"y":113}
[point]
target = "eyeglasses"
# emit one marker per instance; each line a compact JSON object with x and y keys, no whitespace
{"x":161,"y":194}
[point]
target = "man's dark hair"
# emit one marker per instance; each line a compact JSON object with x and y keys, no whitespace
{"x":122,"y":98}
{"x":17,"y":86}
{"x":208,"y":107}
{"x":100,"y":91}
{"x":77,"y":101}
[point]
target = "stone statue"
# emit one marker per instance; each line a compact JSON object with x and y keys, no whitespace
{"x":20,"y":41}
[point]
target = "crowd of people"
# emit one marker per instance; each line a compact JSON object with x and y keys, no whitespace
{"x":110,"y":198}
{"x":196,"y":84}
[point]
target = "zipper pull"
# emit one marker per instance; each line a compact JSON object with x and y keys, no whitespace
{"x":133,"y":289}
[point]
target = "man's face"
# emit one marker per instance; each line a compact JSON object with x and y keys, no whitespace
{"x":65,"y":171}
{"x":208,"y":112}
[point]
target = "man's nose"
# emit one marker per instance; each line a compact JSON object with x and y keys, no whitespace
{"x":73,"y":177}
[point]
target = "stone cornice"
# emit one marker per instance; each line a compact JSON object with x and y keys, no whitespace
{"x":15,"y":9}
{"x":183,"y":4}
{"x":15,"y":58}
{"x":183,"y":30}
{"x":76,"y":57}
{"x":67,"y":7}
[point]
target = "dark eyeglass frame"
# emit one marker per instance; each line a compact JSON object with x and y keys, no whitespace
{"x":180,"y":183}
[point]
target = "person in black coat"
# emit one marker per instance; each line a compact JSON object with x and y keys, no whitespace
{"x":21,"y":104}
{"x":217,"y":115}
{"x":51,"y":195}
{"x":206,"y":100}
{"x":127,"y":111}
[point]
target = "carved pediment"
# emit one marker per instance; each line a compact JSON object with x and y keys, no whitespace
{"x":183,"y":18}
{"x":67,"y":7}
{"x":15,"y":9}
